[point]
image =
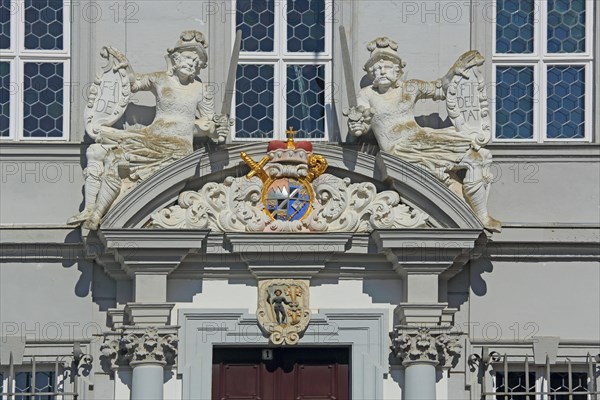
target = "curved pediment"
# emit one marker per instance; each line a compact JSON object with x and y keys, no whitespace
{"x":384,"y":177}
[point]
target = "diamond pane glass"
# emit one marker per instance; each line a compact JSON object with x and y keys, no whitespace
{"x":254,"y":101}
{"x":5,"y":24}
{"x":306,"y":100}
{"x":566,"y":26}
{"x":515,"y":383}
{"x":514,"y":102}
{"x":559,"y":383}
{"x":566,"y":102}
{"x":256,"y":20}
{"x":44,"y":24}
{"x":514,"y":26}
{"x":5,"y":99}
{"x":306,"y":25}
{"x":44,"y":383}
{"x":43,"y":100}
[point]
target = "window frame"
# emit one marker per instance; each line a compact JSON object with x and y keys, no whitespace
{"x":281,"y":58}
{"x":541,"y":383}
{"x":540,"y":59}
{"x":60,"y":383}
{"x":17,"y":56}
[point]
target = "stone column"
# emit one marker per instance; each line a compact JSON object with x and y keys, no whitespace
{"x":421,"y":351}
{"x":148,"y":351}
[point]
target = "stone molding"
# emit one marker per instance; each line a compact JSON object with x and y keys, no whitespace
{"x":150,"y":345}
{"x":425,"y":345}
{"x":503,"y":152}
{"x":363,"y":330}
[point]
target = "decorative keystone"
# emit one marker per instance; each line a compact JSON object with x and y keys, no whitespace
{"x":421,"y":345}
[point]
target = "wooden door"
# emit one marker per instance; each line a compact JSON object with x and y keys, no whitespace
{"x":293,"y":374}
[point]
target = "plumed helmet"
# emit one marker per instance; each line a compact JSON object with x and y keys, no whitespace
{"x":192,"y":41}
{"x":383,"y":48}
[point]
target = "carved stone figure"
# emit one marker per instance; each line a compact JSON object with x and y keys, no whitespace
{"x":455,"y":155}
{"x":288,"y":191}
{"x":283,"y":310}
{"x":184,"y":109}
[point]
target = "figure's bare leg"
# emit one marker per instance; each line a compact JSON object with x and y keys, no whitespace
{"x":109,"y":190}
{"x":476,"y":185}
{"x":96,"y":153}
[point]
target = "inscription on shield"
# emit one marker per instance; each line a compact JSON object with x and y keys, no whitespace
{"x":110,"y":93}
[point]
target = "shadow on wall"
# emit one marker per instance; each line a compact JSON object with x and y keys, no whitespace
{"x":72,"y":254}
{"x":384,"y":290}
{"x":470,"y":279}
{"x":183,"y":289}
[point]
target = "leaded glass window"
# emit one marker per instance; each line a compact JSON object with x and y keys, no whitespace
{"x":34,"y":69}
{"x":543,"y":65}
{"x":44,"y":383}
{"x":284,"y":73}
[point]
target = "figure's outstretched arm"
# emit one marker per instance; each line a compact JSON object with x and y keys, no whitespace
{"x":435,"y":90}
{"x":143,"y":82}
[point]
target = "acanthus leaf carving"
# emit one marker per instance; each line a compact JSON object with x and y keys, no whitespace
{"x":149,"y":345}
{"x":422,"y":345}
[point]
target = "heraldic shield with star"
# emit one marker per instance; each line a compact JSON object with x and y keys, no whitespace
{"x":286,"y":173}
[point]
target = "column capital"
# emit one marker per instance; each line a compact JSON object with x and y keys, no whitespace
{"x":149,"y":345}
{"x":437,"y":346}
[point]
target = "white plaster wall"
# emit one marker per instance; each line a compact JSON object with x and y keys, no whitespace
{"x":526,"y":191}
{"x":40,"y":192}
{"x":48,"y":301}
{"x":518,"y":301}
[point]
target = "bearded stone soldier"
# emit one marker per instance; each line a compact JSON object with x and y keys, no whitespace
{"x":387,"y":108}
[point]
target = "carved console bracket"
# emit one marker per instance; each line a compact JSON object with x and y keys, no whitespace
{"x":436,"y":346}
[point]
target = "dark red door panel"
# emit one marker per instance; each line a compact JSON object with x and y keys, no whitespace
{"x":293,"y":374}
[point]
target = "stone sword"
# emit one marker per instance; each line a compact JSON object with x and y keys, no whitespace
{"x":223,"y":118}
{"x":355,"y":113}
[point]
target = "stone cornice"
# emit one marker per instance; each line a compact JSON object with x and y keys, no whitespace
{"x":41,"y":150}
{"x":545,"y":152}
{"x":503,"y":152}
{"x":429,"y":250}
{"x":147,"y":251}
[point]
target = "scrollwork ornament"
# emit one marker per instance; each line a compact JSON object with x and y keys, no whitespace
{"x":339,"y":206}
